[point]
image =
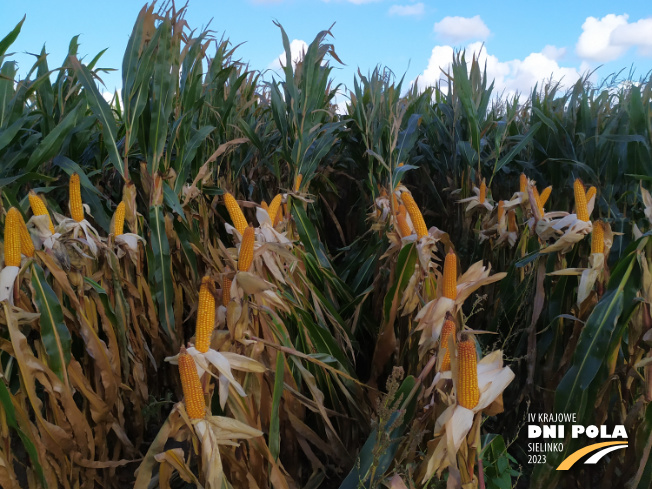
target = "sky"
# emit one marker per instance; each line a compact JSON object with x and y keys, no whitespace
{"x":522,"y":43}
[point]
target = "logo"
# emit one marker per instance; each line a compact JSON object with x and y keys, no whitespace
{"x":602,"y":449}
{"x":549,"y":433}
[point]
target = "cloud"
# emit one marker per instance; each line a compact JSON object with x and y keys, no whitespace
{"x":298,"y":48}
{"x":610,"y":37}
{"x":415,"y":10}
{"x":458,"y":29}
{"x":510,"y":77}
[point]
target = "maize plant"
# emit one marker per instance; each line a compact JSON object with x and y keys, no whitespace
{"x":218,"y":280}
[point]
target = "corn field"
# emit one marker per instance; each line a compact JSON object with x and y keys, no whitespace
{"x":216,"y":280}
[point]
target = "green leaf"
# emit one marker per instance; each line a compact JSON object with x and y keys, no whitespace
{"x":524,"y":141}
{"x":160,"y":272}
{"x":54,"y":333}
{"x":51,"y":144}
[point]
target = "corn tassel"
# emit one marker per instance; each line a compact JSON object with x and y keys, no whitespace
{"x":597,"y":238}
{"x":192,"y":390}
{"x":468,"y":393}
{"x":450,"y":276}
{"x":483,"y":192}
{"x":274,"y":207}
{"x":237,"y":217}
{"x":297,"y":182}
{"x":226,"y":291}
{"x":26,"y":244}
{"x":580,"y":201}
{"x":401,"y":221}
{"x":523,"y":184}
{"x":39,"y":208}
{"x":446,"y":332}
{"x":119,"y":219}
{"x":415,"y":214}
{"x":590,"y":193}
{"x":543,"y":198}
{"x":12,"y":238}
{"x":246,"y":249}
{"x":205,"y":316}
{"x":75,"y":200}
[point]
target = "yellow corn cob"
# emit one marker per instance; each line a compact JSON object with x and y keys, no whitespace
{"x":246,"y":249}
{"x":297,"y":182}
{"x":26,"y":244}
{"x":483,"y":192}
{"x":468,"y":393}
{"x":192,"y":390}
{"x":450,"y":276}
{"x":523,"y":183}
{"x":38,"y":207}
{"x":401,"y":221}
{"x":12,"y":238}
{"x":446,"y":332}
{"x":279,"y":215}
{"x":597,"y":238}
{"x":543,"y":198}
{"x":580,"y":201}
{"x":226,"y":291}
{"x":511,"y":221}
{"x":501,"y":210}
{"x":119,"y":219}
{"x":205,"y":316}
{"x":76,"y":207}
{"x":237,"y":217}
{"x":590,"y":193}
{"x":395,"y":204}
{"x":274,"y":206}
{"x":537,"y":199}
{"x":415,"y":214}
{"x":264,"y":205}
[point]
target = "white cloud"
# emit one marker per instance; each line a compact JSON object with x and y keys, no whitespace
{"x":610,"y":37}
{"x":458,"y":29}
{"x":416,"y":10}
{"x":510,"y":77}
{"x":298,"y":48}
{"x":595,"y":41}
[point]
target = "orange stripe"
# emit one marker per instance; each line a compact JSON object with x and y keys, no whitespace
{"x":574,"y":457}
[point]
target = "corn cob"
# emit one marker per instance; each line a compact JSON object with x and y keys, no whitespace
{"x":501,"y":210}
{"x":38,"y":207}
{"x":274,"y":207}
{"x":395,"y":203}
{"x":450,"y":276}
{"x":415,"y":214}
{"x":75,"y":200}
{"x":446,"y":332}
{"x":26,"y":244}
{"x":12,"y":238}
{"x":523,"y":184}
{"x":537,"y":199}
{"x":226,"y":291}
{"x":468,"y":393}
{"x":543,"y":198}
{"x":483,"y":192}
{"x":119,"y":219}
{"x":279,"y":215}
{"x":237,"y":217}
{"x":264,"y":205}
{"x":580,"y":201}
{"x":597,"y":238}
{"x":246,"y":249}
{"x":511,"y":221}
{"x":297,"y":182}
{"x":590,"y":193}
{"x":205,"y":316}
{"x":401,"y":221}
{"x":192,"y":390}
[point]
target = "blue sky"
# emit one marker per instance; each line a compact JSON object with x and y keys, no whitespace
{"x":522,"y":42}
